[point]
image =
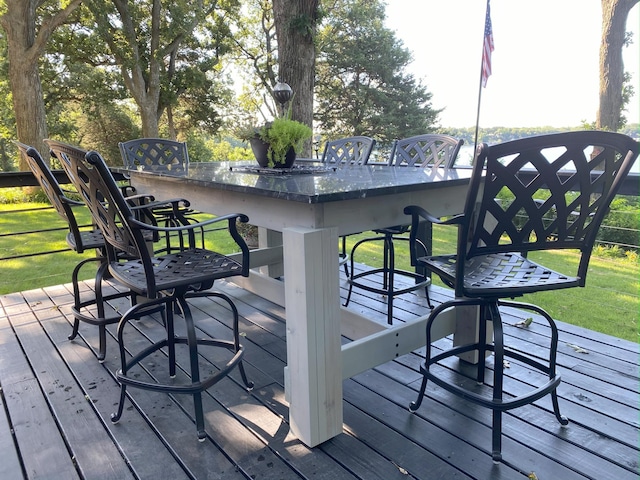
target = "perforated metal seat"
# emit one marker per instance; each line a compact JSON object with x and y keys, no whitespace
{"x":549,"y":192}
{"x":417,"y":152}
{"x":165,"y":280}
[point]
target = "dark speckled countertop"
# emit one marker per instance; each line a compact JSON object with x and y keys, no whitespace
{"x":319,"y":186}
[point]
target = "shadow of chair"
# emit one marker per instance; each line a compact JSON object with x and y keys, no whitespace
{"x":514,"y":188}
{"x":161,"y":155}
{"x":80,"y":239}
{"x":344,"y":152}
{"x":164,"y":280}
{"x":417,"y":152}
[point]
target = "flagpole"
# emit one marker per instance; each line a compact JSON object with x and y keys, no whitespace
{"x":486,"y":57}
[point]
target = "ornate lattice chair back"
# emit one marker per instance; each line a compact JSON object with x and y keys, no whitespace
{"x":427,"y":151}
{"x":548,"y":192}
{"x":156,"y":155}
{"x":348,"y":151}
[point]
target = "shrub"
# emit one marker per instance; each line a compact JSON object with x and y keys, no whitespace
{"x":621,"y":225}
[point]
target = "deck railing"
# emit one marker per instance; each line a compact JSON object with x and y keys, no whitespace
{"x":26,"y":179}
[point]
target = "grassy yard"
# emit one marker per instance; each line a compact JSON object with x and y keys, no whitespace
{"x":609,"y":303}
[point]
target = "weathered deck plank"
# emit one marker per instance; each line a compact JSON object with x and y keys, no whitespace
{"x":41,"y":448}
{"x":62,"y":387}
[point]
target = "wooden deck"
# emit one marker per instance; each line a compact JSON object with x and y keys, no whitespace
{"x":56,"y":401}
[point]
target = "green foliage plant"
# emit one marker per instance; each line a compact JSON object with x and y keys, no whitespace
{"x":282,"y":134}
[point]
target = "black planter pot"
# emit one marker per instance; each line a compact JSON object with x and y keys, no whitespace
{"x":260,"y":150}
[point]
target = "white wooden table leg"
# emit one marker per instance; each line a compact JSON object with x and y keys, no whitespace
{"x":270,"y":238}
{"x":314,"y":361}
{"x":468,"y":331}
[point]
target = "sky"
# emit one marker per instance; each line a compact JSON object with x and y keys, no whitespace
{"x":544,"y":65}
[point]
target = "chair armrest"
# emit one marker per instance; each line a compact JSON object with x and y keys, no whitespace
{"x":189,"y":226}
{"x":231,"y":220}
{"x":127,"y":190}
{"x":145,"y":208}
{"x":73,"y":203}
{"x":419,"y":214}
{"x":149,"y":202}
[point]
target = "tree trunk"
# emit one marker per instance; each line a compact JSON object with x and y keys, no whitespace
{"x":24,"y":51}
{"x":614,"y":20}
{"x":28,"y":103}
{"x":143,"y":84}
{"x":24,"y":79}
{"x":295,"y":22}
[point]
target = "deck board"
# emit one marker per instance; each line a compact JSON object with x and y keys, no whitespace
{"x":69,"y":395}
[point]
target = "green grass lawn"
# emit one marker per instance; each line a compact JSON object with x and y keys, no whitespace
{"x":609,"y":303}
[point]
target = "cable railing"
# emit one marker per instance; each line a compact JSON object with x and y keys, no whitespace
{"x":14,"y":232}
{"x":23,"y":246}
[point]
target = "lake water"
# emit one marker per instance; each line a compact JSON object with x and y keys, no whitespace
{"x":465,"y":158}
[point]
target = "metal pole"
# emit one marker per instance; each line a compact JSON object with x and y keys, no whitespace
{"x":480,"y":82}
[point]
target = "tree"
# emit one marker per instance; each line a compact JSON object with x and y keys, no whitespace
{"x":28,"y":25}
{"x":257,"y":56}
{"x":362,"y":86}
{"x":163,"y":50}
{"x":612,"y":76}
{"x":296,"y":22}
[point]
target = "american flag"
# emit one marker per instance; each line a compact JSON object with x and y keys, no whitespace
{"x":488,"y":48}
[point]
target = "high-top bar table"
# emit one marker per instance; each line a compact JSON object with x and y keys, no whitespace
{"x":304,"y":211}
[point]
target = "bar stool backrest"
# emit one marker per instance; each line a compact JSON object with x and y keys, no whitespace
{"x":546,"y":192}
{"x":102,"y":195}
{"x":155,"y":154}
{"x":56,"y":195}
{"x":427,"y":151}
{"x":348,"y":151}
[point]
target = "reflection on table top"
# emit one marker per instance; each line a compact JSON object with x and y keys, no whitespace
{"x":343,"y":183}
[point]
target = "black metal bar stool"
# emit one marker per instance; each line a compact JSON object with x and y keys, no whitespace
{"x":344,"y":152}
{"x":161,"y":155}
{"x":166,"y":280}
{"x":549,"y":192}
{"x":417,"y":152}
{"x":91,"y":308}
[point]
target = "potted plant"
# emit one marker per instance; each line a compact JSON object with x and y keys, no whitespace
{"x":276,"y":143}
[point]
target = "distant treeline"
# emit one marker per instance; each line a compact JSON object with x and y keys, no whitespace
{"x":502,"y":134}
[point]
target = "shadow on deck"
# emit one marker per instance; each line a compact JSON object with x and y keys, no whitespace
{"x":56,"y":401}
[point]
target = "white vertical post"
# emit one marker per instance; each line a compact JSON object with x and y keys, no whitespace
{"x":314,"y":360}
{"x":270,"y":238}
